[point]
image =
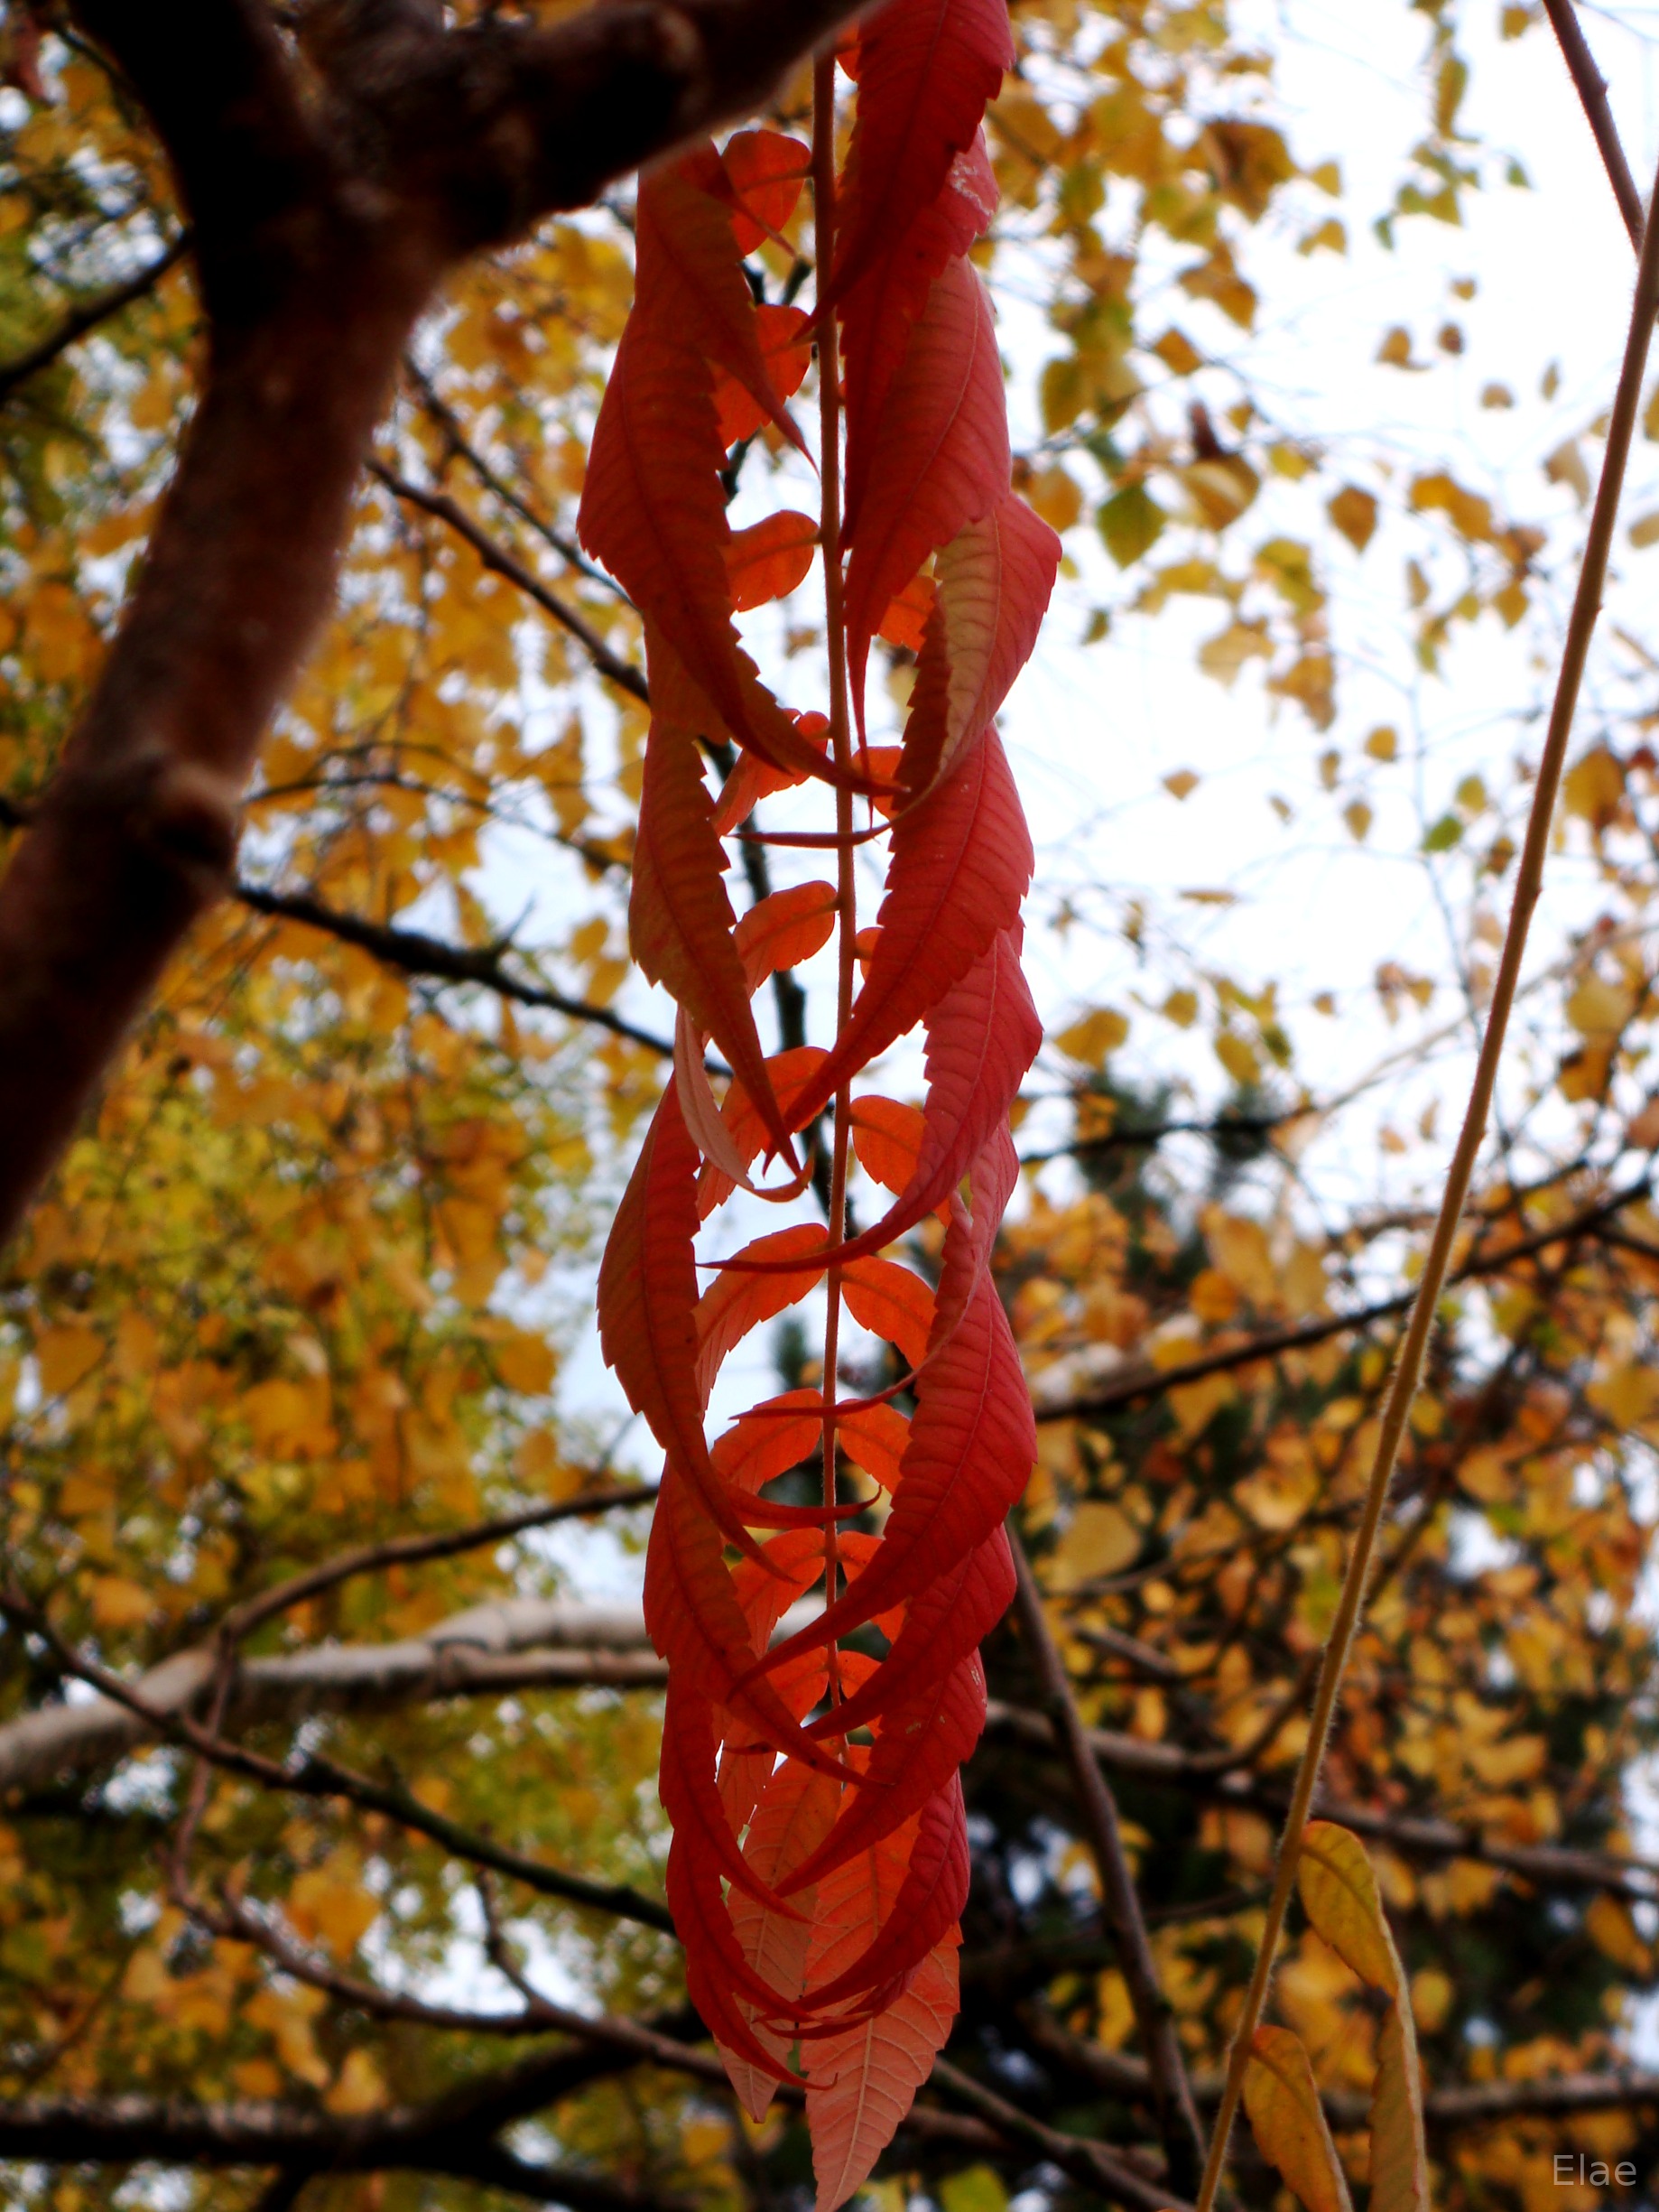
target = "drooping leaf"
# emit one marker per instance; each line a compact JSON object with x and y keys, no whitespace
{"x":926,"y":68}
{"x":1339,"y":1889}
{"x":993,"y":585}
{"x":1399,"y":2154}
{"x":786,"y":929}
{"x":940,"y":456}
{"x":680,"y":919}
{"x":1288,"y":2121}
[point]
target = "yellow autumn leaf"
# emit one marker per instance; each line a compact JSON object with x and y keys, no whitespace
{"x":359,"y":2087}
{"x":1288,"y":2121}
{"x":331,"y":1902}
{"x":65,"y":1356}
{"x":119,"y":1603}
{"x":1354,"y":512}
{"x":1102,"y":1539}
{"x":1340,"y":1896}
{"x":1096,"y":1035}
{"x":524,"y":1362}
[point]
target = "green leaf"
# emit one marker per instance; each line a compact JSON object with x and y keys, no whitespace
{"x":1130,"y":523}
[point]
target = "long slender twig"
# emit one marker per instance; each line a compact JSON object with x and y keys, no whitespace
{"x":1408,"y":1370}
{"x":407,"y":1550}
{"x":86,"y":317}
{"x":316,"y":1777}
{"x":455,"y":439}
{"x":1087,"y":2162}
{"x":1592,"y":91}
{"x":496,"y":556}
{"x":412,"y":952}
{"x":1171,"y":2093}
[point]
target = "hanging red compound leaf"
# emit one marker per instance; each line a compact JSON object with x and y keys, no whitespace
{"x":820,"y":1854}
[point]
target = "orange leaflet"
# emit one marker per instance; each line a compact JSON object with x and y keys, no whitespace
{"x":768,"y":561}
{"x":786,"y":927}
{"x":752,"y":780}
{"x":892,"y":1303}
{"x":737,"y":1302}
{"x":905,"y":620}
{"x":887,"y":1137}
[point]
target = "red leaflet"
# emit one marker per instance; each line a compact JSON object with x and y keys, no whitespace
{"x":764,"y":172}
{"x":883,"y":307}
{"x":926,"y":68}
{"x":933,"y":1893}
{"x":923,"y":1740}
{"x":786,"y":348}
{"x":737,"y":1302}
{"x":679,"y":919}
{"x":647,"y":1306}
{"x":993,"y":585}
{"x":653,"y":507}
{"x":939,"y":456}
{"x":961,"y":861}
{"x":816,"y":1879}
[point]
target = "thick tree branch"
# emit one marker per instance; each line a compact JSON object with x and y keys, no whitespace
{"x":322,"y":227}
{"x":125,"y":2129}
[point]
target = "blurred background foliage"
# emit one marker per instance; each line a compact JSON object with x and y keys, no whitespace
{"x":316,"y":1275}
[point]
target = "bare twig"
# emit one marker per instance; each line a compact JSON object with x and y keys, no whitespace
{"x":1408,"y":1372}
{"x":1592,"y":91}
{"x":1092,"y":2163}
{"x":407,"y":1550}
{"x":88,"y":316}
{"x":316,"y":1777}
{"x":413,"y":953}
{"x":495,"y":555}
{"x":1178,"y":2122}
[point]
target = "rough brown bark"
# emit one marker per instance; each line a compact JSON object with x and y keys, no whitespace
{"x":329,"y":187}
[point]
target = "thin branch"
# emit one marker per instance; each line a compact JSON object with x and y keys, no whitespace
{"x":455,"y":438}
{"x":1446,"y":2110}
{"x":316,"y":1776}
{"x":88,"y":316}
{"x":1408,"y":1372}
{"x":496,"y":556}
{"x":1154,"y":1382}
{"x":1171,"y":2095}
{"x":1092,"y":2163}
{"x":407,"y":1550}
{"x":1592,"y":91}
{"x":1549,"y":1865}
{"x":412,"y":952}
